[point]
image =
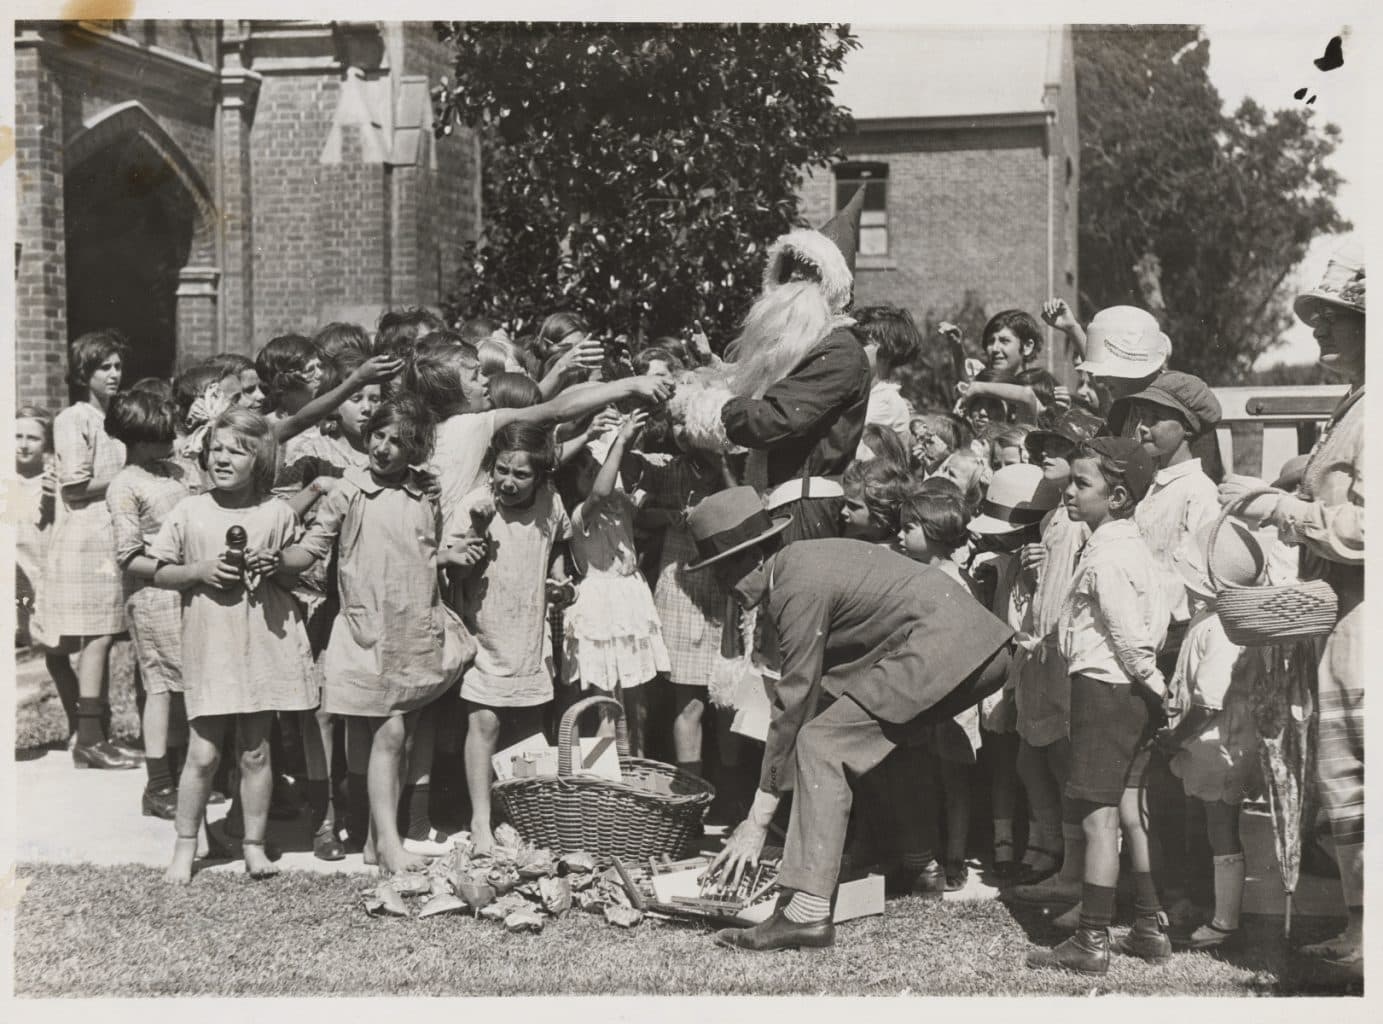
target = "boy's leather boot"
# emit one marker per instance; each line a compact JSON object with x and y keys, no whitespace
{"x":1086,"y":952}
{"x":1148,"y":939}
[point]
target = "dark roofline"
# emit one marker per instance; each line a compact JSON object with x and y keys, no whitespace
{"x":1015,"y":119}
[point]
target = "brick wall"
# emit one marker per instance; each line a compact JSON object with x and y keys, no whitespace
{"x":40,"y":284}
{"x":967,"y":210}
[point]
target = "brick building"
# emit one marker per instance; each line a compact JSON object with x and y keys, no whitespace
{"x":966,"y":141}
{"x":205,"y":185}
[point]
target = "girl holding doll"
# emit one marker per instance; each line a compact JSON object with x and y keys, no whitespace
{"x":245,"y":650}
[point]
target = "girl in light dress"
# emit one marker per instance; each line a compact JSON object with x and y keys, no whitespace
{"x":245,"y":650}
{"x":82,"y":600}
{"x":507,"y":583}
{"x":614,"y":638}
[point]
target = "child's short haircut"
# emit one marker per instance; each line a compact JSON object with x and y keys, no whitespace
{"x":892,"y":329}
{"x":433,"y":375}
{"x":190,"y":385}
{"x":658,"y":354}
{"x":557,"y":328}
{"x":883,"y":485}
{"x":495,"y":355}
{"x":529,"y":438}
{"x":140,"y":416}
{"x":156,"y":386}
{"x":336,"y":338}
{"x":1040,"y":383}
{"x":885,"y":443}
{"x":973,"y":492}
{"x":91,"y":350}
{"x":1123,"y":463}
{"x":478,"y":329}
{"x":1023,"y":326}
{"x":938,"y":507}
{"x":41,"y":416}
{"x":229,"y":364}
{"x":282,"y":365}
{"x":1001,"y":436}
{"x":513,"y":391}
{"x":945,"y":427}
{"x":415,"y":426}
{"x":399,"y":328}
{"x":256,"y":433}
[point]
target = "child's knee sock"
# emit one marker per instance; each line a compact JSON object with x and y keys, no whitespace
{"x":1096,"y":905}
{"x":90,"y":714}
{"x":1229,"y":890}
{"x":320,"y":811}
{"x":357,"y":806}
{"x":160,"y":774}
{"x":1146,"y":902}
{"x":1073,"y":858}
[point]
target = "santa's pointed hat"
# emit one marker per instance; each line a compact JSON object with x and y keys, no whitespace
{"x":831,"y":250}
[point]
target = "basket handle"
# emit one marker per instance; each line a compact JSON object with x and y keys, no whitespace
{"x":567,"y":735}
{"x":1237,"y":505}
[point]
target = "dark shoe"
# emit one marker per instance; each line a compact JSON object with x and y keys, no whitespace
{"x":133,"y":753}
{"x":779,"y":933}
{"x":1005,"y":867}
{"x":325,"y":846}
{"x":1086,"y":952}
{"x":1147,"y":939}
{"x":160,"y":803}
{"x":957,"y":874}
{"x":101,"y":755}
{"x":1026,"y":874}
{"x":1054,"y":889}
{"x":929,"y":882}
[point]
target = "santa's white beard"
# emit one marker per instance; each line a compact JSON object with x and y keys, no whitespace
{"x":782,"y":327}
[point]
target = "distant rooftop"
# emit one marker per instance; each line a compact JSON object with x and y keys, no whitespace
{"x":908,"y":71}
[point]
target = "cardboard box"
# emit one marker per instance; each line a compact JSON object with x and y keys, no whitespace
{"x":862,"y":897}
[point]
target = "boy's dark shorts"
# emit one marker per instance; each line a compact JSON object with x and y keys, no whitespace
{"x":1111,"y":739}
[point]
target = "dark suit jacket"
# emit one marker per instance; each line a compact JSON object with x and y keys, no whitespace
{"x":813,"y":418}
{"x":854,"y":619}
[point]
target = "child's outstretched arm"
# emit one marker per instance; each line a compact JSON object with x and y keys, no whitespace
{"x":375,"y":370}
{"x":608,"y":477}
{"x":576,"y":402}
{"x":586,"y":356}
{"x":1056,"y":313}
{"x":1018,"y":394}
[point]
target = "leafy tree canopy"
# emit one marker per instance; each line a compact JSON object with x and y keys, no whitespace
{"x":1194,"y":213}
{"x":635,"y":173}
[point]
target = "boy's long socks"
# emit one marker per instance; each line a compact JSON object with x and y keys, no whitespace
{"x":90,"y":712}
{"x":160,"y":774}
{"x":1145,"y":899}
{"x":1096,"y":906}
{"x":1230,"y":871}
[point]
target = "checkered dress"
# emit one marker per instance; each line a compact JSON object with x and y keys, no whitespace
{"x":139,"y":500}
{"x":691,"y":606}
{"x":82,"y":593}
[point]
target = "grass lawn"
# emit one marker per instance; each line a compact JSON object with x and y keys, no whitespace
{"x":87,"y":931}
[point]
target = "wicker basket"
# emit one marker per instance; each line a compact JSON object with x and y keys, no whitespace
{"x":1268,"y":615}
{"x":570,"y":812}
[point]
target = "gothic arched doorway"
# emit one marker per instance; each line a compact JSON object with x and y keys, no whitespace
{"x":133,"y":209}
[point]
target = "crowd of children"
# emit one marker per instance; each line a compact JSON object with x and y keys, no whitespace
{"x":345,"y":535}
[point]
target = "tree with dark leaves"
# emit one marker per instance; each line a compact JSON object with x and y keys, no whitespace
{"x":636,"y":173}
{"x":1197,"y":215}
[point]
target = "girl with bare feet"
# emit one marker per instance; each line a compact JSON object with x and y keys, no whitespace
{"x":245,"y":651}
{"x":395,"y":647}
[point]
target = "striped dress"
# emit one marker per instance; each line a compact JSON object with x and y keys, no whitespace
{"x":82,"y":593}
{"x":139,"y":500}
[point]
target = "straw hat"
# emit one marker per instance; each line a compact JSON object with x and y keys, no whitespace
{"x":1342,"y":285}
{"x":730,"y":521}
{"x":1239,"y":560}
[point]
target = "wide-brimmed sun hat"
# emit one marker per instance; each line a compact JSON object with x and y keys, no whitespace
{"x":1239,"y":559}
{"x":1018,"y":497}
{"x":1125,"y":342}
{"x":1342,"y":284}
{"x":730,"y":521}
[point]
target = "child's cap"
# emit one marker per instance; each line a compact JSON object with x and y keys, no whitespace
{"x":1075,"y":425}
{"x":1131,"y":458}
{"x":1185,"y":394}
{"x":1239,"y":560}
{"x":1018,"y":497}
{"x":1125,"y":342}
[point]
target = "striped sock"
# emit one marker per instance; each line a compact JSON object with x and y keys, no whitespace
{"x":804,"y":908}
